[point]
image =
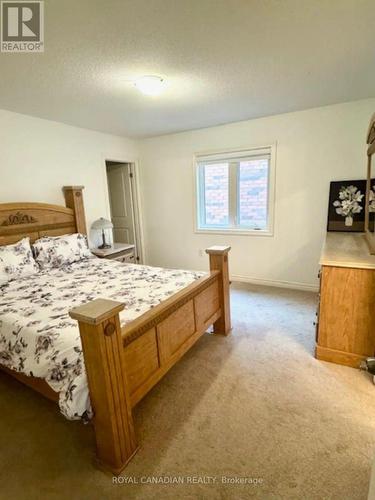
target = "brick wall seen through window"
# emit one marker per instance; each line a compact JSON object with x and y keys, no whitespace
{"x":233,"y":193}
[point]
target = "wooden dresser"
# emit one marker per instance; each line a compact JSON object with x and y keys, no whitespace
{"x":345,"y":326}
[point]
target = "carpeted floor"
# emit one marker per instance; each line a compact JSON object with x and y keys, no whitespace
{"x":253,"y":405}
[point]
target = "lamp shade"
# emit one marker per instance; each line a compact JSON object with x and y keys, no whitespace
{"x":102,"y":223}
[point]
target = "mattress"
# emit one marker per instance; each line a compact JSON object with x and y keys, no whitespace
{"x":38,"y":337}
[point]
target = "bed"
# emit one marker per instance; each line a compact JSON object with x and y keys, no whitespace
{"x":134,"y":323}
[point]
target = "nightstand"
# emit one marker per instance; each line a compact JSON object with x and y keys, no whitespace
{"x":118,"y":251}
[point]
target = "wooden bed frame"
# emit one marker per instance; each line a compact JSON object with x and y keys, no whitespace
{"x":123,"y":364}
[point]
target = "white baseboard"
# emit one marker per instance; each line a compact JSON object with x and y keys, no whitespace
{"x":294,"y":285}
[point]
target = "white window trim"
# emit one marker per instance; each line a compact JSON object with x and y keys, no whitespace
{"x":238,"y":152}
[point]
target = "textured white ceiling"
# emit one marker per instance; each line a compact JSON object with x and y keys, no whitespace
{"x":225,"y":60}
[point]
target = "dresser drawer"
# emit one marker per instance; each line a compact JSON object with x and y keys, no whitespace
{"x":346,"y":319}
{"x":122,"y":253}
{"x":128,"y":258}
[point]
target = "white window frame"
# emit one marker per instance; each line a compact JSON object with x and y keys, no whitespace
{"x":233,"y":153}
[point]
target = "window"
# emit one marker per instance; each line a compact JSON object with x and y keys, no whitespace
{"x":235,"y":191}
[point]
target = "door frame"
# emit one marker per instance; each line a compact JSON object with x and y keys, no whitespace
{"x":136,"y":200}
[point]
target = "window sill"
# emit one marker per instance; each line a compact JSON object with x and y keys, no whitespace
{"x":238,"y":232}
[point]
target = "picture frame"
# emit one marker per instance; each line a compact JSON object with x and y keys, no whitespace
{"x":346,"y":205}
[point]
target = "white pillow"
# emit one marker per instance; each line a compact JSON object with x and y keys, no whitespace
{"x":17,"y":261}
{"x":59,"y":251}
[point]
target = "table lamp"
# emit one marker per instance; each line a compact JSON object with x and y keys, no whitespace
{"x":102,"y":224}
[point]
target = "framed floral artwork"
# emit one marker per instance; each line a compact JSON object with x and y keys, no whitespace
{"x":346,"y":209}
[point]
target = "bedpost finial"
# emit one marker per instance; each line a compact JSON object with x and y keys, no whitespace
{"x":218,"y":250}
{"x":96,"y":311}
{"x":73,"y":188}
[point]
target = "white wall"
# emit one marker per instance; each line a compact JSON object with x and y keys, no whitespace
{"x":38,"y":157}
{"x":313,"y":148}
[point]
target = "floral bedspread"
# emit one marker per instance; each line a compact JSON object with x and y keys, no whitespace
{"x":37,"y":336}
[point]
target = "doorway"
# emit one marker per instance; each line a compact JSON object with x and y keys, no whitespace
{"x":123,"y":203}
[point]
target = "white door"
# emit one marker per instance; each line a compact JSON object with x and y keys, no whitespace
{"x":121,"y":203}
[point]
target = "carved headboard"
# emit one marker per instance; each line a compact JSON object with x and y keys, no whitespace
{"x":18,"y":220}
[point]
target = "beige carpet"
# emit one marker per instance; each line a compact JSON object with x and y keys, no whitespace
{"x":256,"y":405}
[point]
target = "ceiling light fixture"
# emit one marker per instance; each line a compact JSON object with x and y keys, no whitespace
{"x":150,"y":85}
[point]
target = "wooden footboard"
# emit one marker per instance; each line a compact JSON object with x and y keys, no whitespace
{"x":123,"y":364}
